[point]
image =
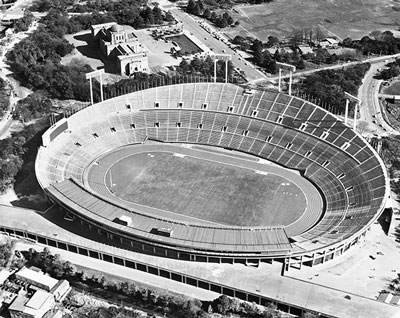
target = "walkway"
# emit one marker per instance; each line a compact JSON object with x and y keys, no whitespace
{"x":264,"y":281}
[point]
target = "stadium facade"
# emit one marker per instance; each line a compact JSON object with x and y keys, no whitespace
{"x":284,"y":129}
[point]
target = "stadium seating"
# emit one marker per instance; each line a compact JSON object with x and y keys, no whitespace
{"x":273,"y":126}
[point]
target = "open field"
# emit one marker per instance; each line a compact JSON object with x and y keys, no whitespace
{"x":208,"y":190}
{"x":342,"y":18}
{"x":394,"y":88}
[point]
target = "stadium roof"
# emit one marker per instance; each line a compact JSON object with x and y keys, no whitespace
{"x":266,"y":240}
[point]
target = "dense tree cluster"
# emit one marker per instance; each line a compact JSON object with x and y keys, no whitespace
{"x":376,"y":43}
{"x":327,"y":87}
{"x":24,"y":23}
{"x":228,"y":4}
{"x":5,"y":252}
{"x":4,"y":99}
{"x":33,"y":106}
{"x":37,"y":58}
{"x":205,"y":67}
{"x":13,"y":151}
{"x":392,"y":70}
{"x":202,"y":9}
{"x":390,"y":154}
{"x":291,"y":55}
{"x":125,"y":12}
{"x":46,"y":5}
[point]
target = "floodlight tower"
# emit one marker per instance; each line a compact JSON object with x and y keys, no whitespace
{"x":346,"y":112}
{"x":291,"y":69}
{"x":94,"y":74}
{"x":221,"y":57}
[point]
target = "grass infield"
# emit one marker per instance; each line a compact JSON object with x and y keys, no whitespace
{"x":208,"y":190}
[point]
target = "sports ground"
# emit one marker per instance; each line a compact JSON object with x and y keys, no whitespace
{"x":342,"y":18}
{"x":204,"y":189}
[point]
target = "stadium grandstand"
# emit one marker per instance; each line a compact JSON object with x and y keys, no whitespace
{"x":268,"y":125}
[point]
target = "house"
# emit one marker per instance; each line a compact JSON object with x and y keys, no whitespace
{"x":329,"y":43}
{"x":39,"y":295}
{"x":35,"y":278}
{"x":34,"y":307}
{"x":122,"y":46}
{"x":305,"y":49}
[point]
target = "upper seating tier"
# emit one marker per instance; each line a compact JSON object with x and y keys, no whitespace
{"x":285,"y":129}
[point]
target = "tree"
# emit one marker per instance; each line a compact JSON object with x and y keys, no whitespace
{"x":157,"y":13}
{"x":207,"y":13}
{"x":24,"y":23}
{"x":213,"y":17}
{"x":169,"y":17}
{"x":190,"y":8}
{"x":272,"y":41}
{"x":222,"y":304}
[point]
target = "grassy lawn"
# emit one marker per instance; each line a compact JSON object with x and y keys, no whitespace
{"x":343,"y":18}
{"x":393,"y":89}
{"x":207,"y":190}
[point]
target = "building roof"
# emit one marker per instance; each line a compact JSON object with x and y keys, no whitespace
{"x":32,"y":305}
{"x":332,"y":40}
{"x":4,"y":274}
{"x":19,"y":303}
{"x":116,"y":28}
{"x":306,"y":49}
{"x":38,"y":299}
{"x":37,"y":277}
{"x":60,"y":289}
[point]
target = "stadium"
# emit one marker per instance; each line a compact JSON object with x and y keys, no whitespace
{"x":214,"y":172}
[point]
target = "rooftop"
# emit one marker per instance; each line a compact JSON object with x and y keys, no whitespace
{"x":38,"y":299}
{"x":37,"y":277}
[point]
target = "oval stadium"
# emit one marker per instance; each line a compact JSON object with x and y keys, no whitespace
{"x":214,"y":172}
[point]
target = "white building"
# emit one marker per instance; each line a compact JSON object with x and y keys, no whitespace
{"x":122,"y":46}
{"x":44,"y":292}
{"x":329,"y":43}
{"x":34,"y":307}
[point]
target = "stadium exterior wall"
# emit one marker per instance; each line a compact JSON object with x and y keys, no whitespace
{"x":296,"y":258}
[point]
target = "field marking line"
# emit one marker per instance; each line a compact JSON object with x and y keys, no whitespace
{"x":244,"y":14}
{"x":248,"y":32}
{"x":149,"y":148}
{"x":170,"y":212}
{"x":117,"y":198}
{"x":330,"y":32}
{"x":198,"y":158}
{"x":306,"y":209}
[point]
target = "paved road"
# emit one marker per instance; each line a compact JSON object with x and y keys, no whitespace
{"x":371,"y":119}
{"x":125,"y":272}
{"x":17,"y":91}
{"x":372,"y":60}
{"x":192,"y":25}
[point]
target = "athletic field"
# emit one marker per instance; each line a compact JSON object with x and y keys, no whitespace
{"x":203,"y":189}
{"x":342,"y":18}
